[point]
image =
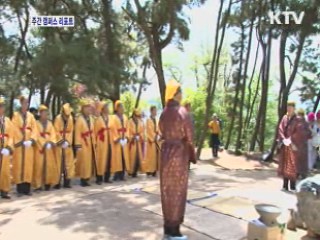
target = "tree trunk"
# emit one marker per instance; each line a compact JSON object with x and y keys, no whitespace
{"x":58,"y":104}
{"x":316,"y":104}
{"x":42,"y":94}
{"x":30,"y":95}
{"x":239,"y":143}
{"x":144,"y":77}
{"x":11,"y":105}
{"x":249,"y":103}
{"x":53,"y":106}
{"x":157,"y":65}
{"x":48,"y":98}
{"x":259,"y":115}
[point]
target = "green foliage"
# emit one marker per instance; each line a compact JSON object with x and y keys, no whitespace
{"x":129,"y":100}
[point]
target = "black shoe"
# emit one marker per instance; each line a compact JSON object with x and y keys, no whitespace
{"x":5,"y":195}
{"x":28,"y":194}
{"x":106,"y":178}
{"x":84,"y":183}
{"x":58,"y":186}
{"x":134,"y":175}
{"x":154,"y":174}
{"x":38,"y":189}
{"x":176,"y":232}
{"x":67,"y":183}
{"x":99,"y":180}
{"x":47,"y":187}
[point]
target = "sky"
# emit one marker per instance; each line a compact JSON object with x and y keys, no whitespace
{"x":202,"y":33}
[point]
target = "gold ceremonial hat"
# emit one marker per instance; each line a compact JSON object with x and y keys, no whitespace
{"x":171,"y":89}
{"x":102,"y":104}
{"x":85,"y":102}
{"x":42,"y":107}
{"x":137,"y":112}
{"x":291,"y":103}
{"x":301,"y":112}
{"x":22,"y":98}
{"x":66,"y":109}
{"x":117,"y":104}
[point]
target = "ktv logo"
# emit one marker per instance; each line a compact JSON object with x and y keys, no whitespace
{"x":285,"y":17}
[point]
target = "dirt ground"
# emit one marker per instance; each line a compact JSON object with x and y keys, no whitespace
{"x":127,"y":211}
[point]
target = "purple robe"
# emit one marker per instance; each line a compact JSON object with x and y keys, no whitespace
{"x":177,"y":150}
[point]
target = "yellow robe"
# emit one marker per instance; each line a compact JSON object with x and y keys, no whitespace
{"x":102,"y":134}
{"x":45,"y":163}
{"x":64,"y":132}
{"x":119,"y":130}
{"x":23,"y":158}
{"x":6,"y":141}
{"x":135,"y":147}
{"x":152,"y":151}
{"x":85,"y":143}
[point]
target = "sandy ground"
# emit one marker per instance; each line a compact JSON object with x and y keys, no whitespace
{"x":125,"y":211}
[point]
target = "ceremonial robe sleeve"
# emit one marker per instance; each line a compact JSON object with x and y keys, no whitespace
{"x":11,"y":133}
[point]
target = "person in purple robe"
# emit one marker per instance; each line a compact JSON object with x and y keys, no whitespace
{"x":177,"y":150}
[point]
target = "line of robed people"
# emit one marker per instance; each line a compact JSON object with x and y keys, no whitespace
{"x":42,"y":151}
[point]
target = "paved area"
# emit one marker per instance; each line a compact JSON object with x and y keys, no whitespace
{"x":125,"y":211}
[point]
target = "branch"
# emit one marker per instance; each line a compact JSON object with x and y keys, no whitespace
{"x":23,"y":32}
{"x":170,"y":35}
{"x":296,"y":61}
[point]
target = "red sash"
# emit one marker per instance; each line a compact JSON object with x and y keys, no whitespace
{"x":122,"y":130}
{"x":85,"y":135}
{"x":64,"y":132}
{"x":43,"y":134}
{"x":101,"y":133}
{"x":3,"y":136}
{"x":23,"y":129}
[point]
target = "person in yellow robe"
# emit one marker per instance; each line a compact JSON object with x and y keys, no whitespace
{"x":6,"y":149}
{"x":214,"y":126}
{"x":153,"y":138}
{"x":45,"y":163}
{"x":102,"y":133}
{"x":119,"y":143}
{"x":136,"y":138}
{"x":23,"y":156}
{"x":85,"y":142}
{"x":64,"y":126}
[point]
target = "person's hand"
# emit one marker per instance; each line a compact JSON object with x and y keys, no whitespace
{"x":5,"y":152}
{"x":27,"y":143}
{"x":158,"y":137}
{"x":65,"y":144}
{"x":289,"y":141}
{"x":48,"y":146}
{"x":137,"y":138}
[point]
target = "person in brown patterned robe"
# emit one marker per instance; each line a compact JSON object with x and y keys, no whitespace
{"x":303,"y":135}
{"x":288,"y":137}
{"x":177,"y":150}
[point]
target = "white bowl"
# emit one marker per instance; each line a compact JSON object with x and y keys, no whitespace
{"x":268,"y":213}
